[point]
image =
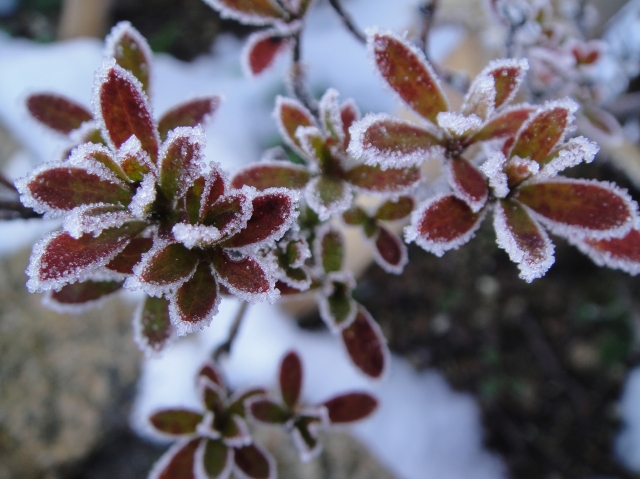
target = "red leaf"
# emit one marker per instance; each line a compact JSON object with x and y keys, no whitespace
{"x":192,"y":113}
{"x":131,"y":51}
{"x":180,"y":161}
{"x":620,"y":253}
{"x":523,"y":239}
{"x":350,"y":407}
{"x":587,"y":208}
{"x":217,"y":460}
{"x":210,"y":371}
{"x":365,"y":345}
{"x":273,"y":213}
{"x":57,"y":112}
{"x":291,"y":114}
{"x":176,"y":422}
{"x":85,"y":292}
{"x":390,"y":252}
{"x":125,"y":111}
{"x":392,"y":210}
{"x":468,"y":184}
{"x":382,"y":139}
{"x":349,"y":114}
{"x":506,"y":75}
{"x":291,"y":378}
{"x":196,"y":301}
{"x":177,"y":462}
{"x":407,"y":72}
{"x":544,"y":130}
{"x":269,"y":412}
{"x":243,"y":276}
{"x":214,"y":188}
{"x":262,"y":50}
{"x":64,"y":187}
{"x":59,"y":258}
{"x":377,"y":180}
{"x":167,"y":266}
{"x":130,"y":256}
{"x":250,"y":12}
{"x":507,"y":123}
{"x":254,"y":462}
{"x":152,"y":326}
{"x":273,"y":174}
{"x":443,"y":223}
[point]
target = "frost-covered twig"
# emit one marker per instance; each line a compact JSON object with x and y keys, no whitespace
{"x":298,"y":83}
{"x":427,"y":11}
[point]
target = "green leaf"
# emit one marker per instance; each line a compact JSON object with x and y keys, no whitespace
{"x":152,"y":325}
{"x":330,"y":249}
{"x":131,"y":51}
{"x":176,"y":422}
{"x":269,"y":412}
{"x":392,"y":210}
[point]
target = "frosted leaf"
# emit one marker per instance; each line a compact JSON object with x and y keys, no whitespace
{"x":328,"y":249}
{"x":253,"y":462}
{"x":619,"y":253}
{"x":544,"y":130}
{"x":133,"y":160}
{"x":82,"y":296}
{"x":181,"y":160}
{"x":520,"y":169}
{"x":313,"y":145}
{"x":481,"y":98}
{"x":493,"y":168}
{"x":366,"y":346}
{"x":152,"y":329}
{"x":458,"y":124}
{"x":263,"y":49}
{"x":196,"y":302}
{"x":505,"y":124}
{"x":328,"y":197}
{"x":230,"y":214}
{"x":177,"y":461}
{"x":96,"y":153}
{"x":60,"y":259}
{"x":196,"y":111}
{"x":273,"y":214}
{"x":196,"y":235}
{"x":389,"y":252}
{"x":330,"y":115}
{"x":144,"y":197}
{"x":580,"y":208}
{"x":337,"y":307}
{"x":290,"y":114}
{"x":246,"y":277}
{"x":307,"y":451}
{"x":131,"y":51}
{"x":442,"y":223}
{"x":57,"y":112}
{"x":302,"y":252}
{"x":94,"y":219}
{"x":254,"y":12}
{"x":392,"y":142}
{"x":215,"y":187}
{"x":379,"y":181}
{"x":467,"y":183}
{"x":121,"y":108}
{"x":223,"y":470}
{"x":526,"y":243}
{"x":404,"y":68}
{"x":163,"y":269}
{"x":572,"y":153}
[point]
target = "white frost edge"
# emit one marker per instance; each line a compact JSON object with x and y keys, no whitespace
{"x":572,"y":153}
{"x":282,"y":101}
{"x":566,"y":231}
{"x":475,"y":205}
{"x":345,"y":277}
{"x":77,"y":222}
{"x":389,"y":159}
{"x":371,"y":48}
{"x":321,"y":231}
{"x":605,"y":258}
{"x":99,"y":80}
{"x":480,"y":99}
{"x":183,"y":327}
{"x":271,"y":296}
{"x":35,"y":285}
{"x":323,"y":211}
{"x":120,"y":30}
{"x":242,"y":17}
{"x":388,"y":267}
{"x":493,"y":168}
{"x":520,"y":63}
{"x":142,"y":342}
{"x":257,"y":37}
{"x":505,"y":239}
{"x":144,"y":197}
{"x":190,"y":170}
{"x":329,"y":107}
{"x":199,"y":470}
{"x":436,"y":247}
{"x":304,"y":452}
{"x":166,"y":458}
{"x":457,"y":124}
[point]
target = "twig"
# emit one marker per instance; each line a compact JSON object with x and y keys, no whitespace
{"x":348,"y":21}
{"x":14,"y":210}
{"x":427,"y":11}
{"x":7,"y":183}
{"x":225,"y":348}
{"x":298,"y":83}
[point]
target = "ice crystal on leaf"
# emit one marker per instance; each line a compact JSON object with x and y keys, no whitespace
{"x":304,"y":422}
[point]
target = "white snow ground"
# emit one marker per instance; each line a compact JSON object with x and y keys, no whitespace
{"x":423,"y":429}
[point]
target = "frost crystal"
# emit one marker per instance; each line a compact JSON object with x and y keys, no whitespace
{"x":196,"y":235}
{"x":94,"y":219}
{"x":572,"y":153}
{"x":493,"y":168}
{"x":144,"y":197}
{"x":457,"y":123}
{"x":324,"y":206}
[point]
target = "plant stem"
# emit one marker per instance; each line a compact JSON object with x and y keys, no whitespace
{"x":348,"y":21}
{"x":225,"y":348}
{"x":4,"y":181}
{"x":427,"y":11}
{"x":298,"y":83}
{"x":14,"y":210}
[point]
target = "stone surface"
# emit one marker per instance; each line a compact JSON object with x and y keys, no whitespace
{"x":65,"y":380}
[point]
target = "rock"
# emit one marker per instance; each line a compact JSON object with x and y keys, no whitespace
{"x":65,"y":379}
